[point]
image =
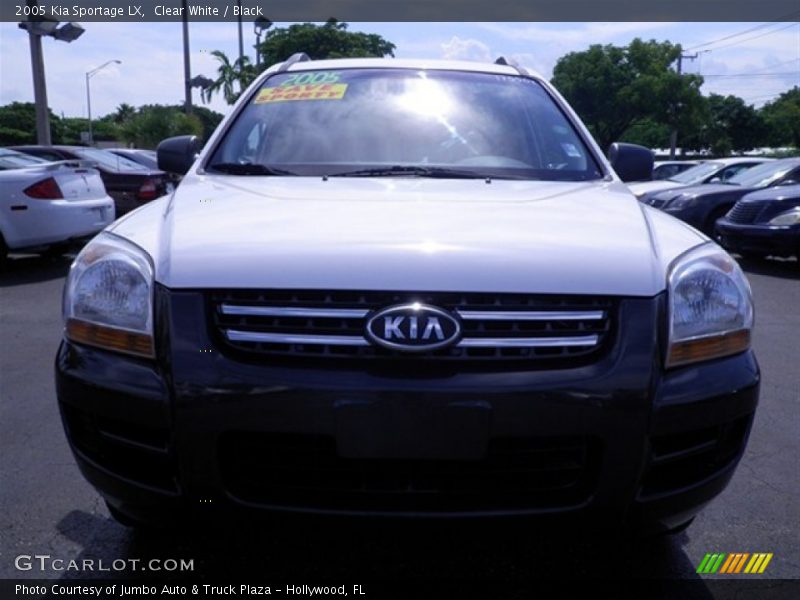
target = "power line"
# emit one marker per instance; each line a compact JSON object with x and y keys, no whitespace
{"x":781,"y":74}
{"x":786,"y":62}
{"x":746,"y":31}
{"x":755,"y":37}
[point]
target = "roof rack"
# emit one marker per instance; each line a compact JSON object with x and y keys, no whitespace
{"x":294,"y":58}
{"x":502,"y":60}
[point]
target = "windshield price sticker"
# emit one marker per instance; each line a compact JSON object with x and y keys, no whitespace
{"x":311,"y":91}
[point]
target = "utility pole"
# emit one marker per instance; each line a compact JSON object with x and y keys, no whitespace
{"x":241,"y":39}
{"x":187,"y":68}
{"x":43,"y":137}
{"x":673,"y":137}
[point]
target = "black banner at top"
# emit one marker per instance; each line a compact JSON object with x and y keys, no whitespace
{"x":400,"y":10}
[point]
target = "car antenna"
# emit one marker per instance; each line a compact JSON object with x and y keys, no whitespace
{"x":502,"y":60}
{"x":294,"y":58}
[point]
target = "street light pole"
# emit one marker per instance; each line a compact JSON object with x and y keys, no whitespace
{"x":36,"y":28}
{"x":89,"y":75}
{"x":43,"y":137}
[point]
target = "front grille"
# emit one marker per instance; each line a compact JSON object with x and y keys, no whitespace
{"x":331,"y":324}
{"x":745,"y":212}
{"x":680,"y":460}
{"x":305,"y":471}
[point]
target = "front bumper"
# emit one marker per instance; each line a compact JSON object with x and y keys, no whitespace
{"x":759,"y":239}
{"x":615,"y":440}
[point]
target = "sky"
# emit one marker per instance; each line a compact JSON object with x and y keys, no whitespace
{"x":756,"y":61}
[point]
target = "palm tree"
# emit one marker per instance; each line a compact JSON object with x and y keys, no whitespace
{"x":230,"y":75}
{"x":123,"y":113}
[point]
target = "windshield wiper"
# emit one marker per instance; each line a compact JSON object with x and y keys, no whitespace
{"x":412,"y":171}
{"x":249,"y":169}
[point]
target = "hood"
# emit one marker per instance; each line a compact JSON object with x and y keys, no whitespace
{"x":406,"y":234}
{"x":781,"y":193}
{"x":648,"y":187}
{"x":704,"y":190}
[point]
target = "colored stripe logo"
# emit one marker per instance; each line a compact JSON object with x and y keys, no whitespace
{"x":734,"y":563}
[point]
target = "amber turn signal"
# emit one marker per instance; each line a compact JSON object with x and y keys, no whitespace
{"x":118,"y":340}
{"x":705,"y":348}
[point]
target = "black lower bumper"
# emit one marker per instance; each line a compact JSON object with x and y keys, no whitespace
{"x":615,"y":440}
{"x":759,"y":239}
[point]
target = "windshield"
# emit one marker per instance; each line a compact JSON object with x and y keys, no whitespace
{"x":392,"y":122}
{"x":697,"y":174}
{"x":762,"y":175}
{"x":17,"y":160}
{"x":108,"y":160}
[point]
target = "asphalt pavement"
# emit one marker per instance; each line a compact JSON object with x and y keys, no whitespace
{"x":46,"y":507}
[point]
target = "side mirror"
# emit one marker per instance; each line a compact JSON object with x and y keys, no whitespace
{"x":631,"y":162}
{"x":177,"y":154}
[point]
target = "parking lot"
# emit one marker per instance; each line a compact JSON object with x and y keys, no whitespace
{"x":47,"y":508}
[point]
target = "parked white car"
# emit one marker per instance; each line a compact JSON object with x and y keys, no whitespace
{"x":712,"y":171}
{"x":44,"y":203}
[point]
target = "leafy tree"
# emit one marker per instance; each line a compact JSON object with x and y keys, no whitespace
{"x":152,"y":123}
{"x":647,"y":132}
{"x":331,"y":40}
{"x":731,"y":125}
{"x":782,"y":118}
{"x":209,"y":119}
{"x":613,"y":87}
{"x":18,"y":124}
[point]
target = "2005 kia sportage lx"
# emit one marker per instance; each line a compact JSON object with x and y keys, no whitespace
{"x":407,"y":288}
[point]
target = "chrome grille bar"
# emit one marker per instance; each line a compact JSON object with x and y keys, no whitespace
{"x":283,"y":338}
{"x":533,"y":315}
{"x":291,"y":311}
{"x":352,"y":340}
{"x":542,"y":342}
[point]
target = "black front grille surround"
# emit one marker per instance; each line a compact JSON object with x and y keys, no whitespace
{"x":745,"y":213}
{"x":317,"y":324}
{"x":305,"y":470}
{"x":136,"y":452}
{"x":680,"y":460}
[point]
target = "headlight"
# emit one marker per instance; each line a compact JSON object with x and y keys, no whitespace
{"x":710,"y":307}
{"x":108,"y":297}
{"x":790,"y":217}
{"x":680,"y":202}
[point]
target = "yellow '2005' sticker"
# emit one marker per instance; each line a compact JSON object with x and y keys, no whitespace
{"x":311,"y":91}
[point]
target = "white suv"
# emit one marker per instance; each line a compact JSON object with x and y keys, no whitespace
{"x":406,"y":287}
